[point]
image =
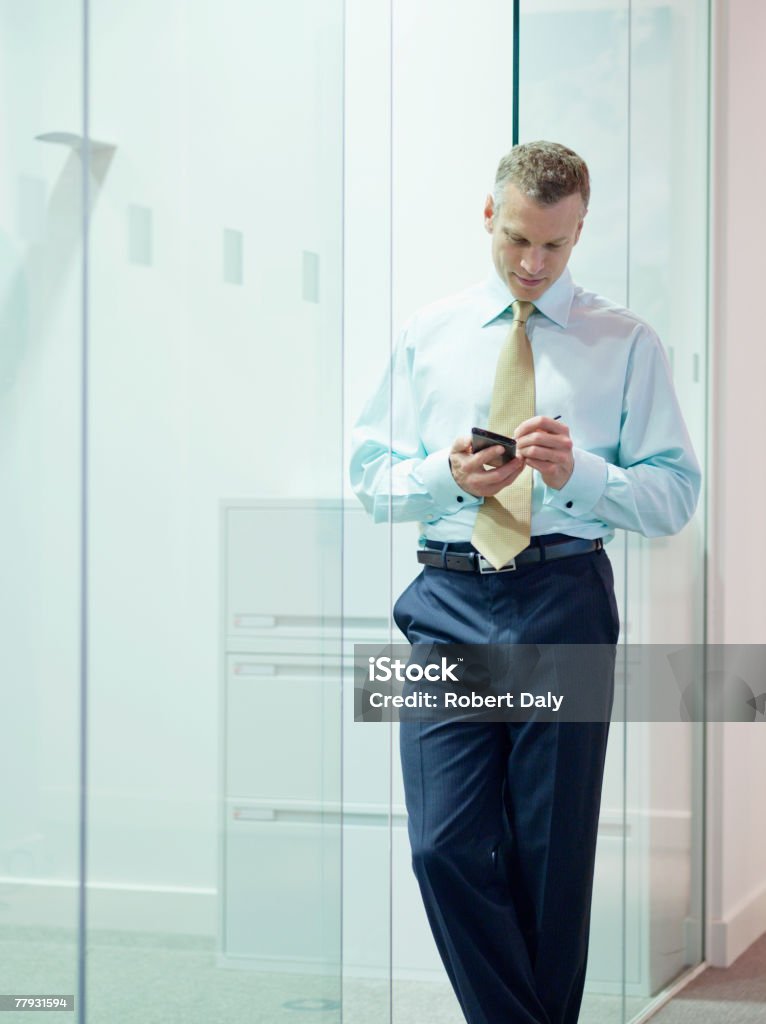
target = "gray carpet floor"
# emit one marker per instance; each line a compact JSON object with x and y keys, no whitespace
{"x":734,"y":995}
{"x":138,"y":978}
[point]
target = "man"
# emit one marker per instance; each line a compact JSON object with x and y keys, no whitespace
{"x":503,"y":816}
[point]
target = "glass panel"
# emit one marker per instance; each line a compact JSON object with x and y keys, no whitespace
{"x":372,"y":812}
{"x":574,"y":89}
{"x":452,"y":96}
{"x":41,"y":325}
{"x":215,"y":531}
{"x":448,"y":127}
{"x":621,"y":83}
{"x":667,"y":284}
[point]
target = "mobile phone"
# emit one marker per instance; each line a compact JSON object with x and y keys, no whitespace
{"x":487,"y":438}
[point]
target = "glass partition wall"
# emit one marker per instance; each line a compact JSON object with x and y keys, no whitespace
{"x":41,"y":313}
{"x":624,"y":82}
{"x":429,"y":108}
{"x":194,"y":828}
{"x":195,"y":664}
{"x":215,"y":565}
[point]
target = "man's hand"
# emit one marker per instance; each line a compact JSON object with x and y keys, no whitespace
{"x":469,"y":473}
{"x":546,"y":446}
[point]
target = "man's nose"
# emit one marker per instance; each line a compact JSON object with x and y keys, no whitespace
{"x":533,"y":261}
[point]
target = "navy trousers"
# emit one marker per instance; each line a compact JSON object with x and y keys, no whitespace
{"x":503,"y":816}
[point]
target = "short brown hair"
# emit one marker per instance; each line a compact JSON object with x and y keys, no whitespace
{"x":544,"y":171}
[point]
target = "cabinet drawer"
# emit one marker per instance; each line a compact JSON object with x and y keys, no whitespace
{"x":283,"y":570}
{"x":378,"y":891}
{"x":283,"y":737}
{"x":283,"y":730}
{"x":282,"y":563}
{"x":281,"y":891}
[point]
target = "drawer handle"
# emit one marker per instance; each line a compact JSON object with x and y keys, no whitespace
{"x":247,"y":668}
{"x":243,"y":621}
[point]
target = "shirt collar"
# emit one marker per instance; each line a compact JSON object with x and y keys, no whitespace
{"x":555,"y":303}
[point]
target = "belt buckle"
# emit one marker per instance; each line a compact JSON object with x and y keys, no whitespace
{"x":508,"y":567}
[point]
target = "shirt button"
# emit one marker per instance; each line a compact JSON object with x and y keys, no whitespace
{"x":460,"y":497}
{"x":569,"y":504}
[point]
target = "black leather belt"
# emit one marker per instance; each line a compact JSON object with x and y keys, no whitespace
{"x":440,"y":555}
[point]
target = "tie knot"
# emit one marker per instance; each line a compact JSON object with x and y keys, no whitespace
{"x":522,"y":310}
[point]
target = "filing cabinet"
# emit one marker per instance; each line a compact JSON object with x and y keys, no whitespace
{"x":300,"y":780}
{"x":312,"y":802}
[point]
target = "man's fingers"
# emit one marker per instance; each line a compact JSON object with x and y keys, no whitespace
{"x":540,"y":440}
{"x":546,"y":453}
{"x":544,"y":423}
{"x":490,"y":481}
{"x":488,"y":455}
{"x":461,"y":444}
{"x":541,"y":437}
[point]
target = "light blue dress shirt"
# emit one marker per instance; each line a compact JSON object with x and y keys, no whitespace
{"x":597,"y":365}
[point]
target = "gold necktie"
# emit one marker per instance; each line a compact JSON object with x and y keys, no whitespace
{"x":503,"y":521}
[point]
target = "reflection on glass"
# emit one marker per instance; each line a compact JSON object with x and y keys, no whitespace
{"x":228,"y":574}
{"x":617,"y":82}
{"x":450,"y":120}
{"x":214,"y":743}
{"x":40,"y":469}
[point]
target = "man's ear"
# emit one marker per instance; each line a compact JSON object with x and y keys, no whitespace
{"x":489,"y":212}
{"x":579,"y":229}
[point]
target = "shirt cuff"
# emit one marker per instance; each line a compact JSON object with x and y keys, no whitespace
{"x":584,"y":487}
{"x":436,"y":476}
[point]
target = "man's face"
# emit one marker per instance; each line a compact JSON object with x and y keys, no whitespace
{"x":531,"y":244}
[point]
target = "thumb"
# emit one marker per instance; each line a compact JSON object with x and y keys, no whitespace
{"x":461,"y":444}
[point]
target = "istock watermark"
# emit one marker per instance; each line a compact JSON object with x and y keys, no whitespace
{"x":561,"y":682}
{"x":384,"y":668}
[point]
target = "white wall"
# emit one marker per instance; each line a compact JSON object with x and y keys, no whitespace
{"x":737,"y":561}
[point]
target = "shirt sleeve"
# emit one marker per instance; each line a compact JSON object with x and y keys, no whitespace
{"x":654,"y":484}
{"x":391,"y":472}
